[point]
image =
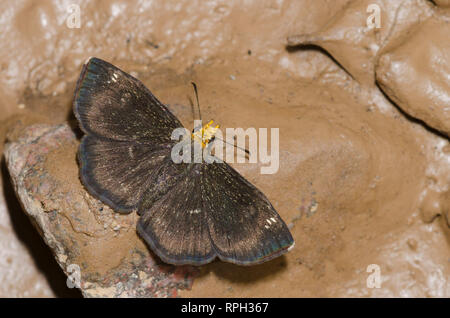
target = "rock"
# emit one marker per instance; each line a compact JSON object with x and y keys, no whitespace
{"x":416,"y":76}
{"x":413,"y":75}
{"x":87,"y":238}
{"x":442,"y":3}
{"x":355,"y":45}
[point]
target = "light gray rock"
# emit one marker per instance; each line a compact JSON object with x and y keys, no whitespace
{"x":89,"y":240}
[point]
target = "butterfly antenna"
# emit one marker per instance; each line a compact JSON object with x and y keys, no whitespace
{"x":196,"y":97}
{"x":234,"y":145}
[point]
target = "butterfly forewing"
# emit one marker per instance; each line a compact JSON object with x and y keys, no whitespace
{"x":244,"y":227}
{"x":112,"y":104}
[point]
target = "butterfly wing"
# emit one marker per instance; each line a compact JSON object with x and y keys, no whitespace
{"x":112,"y":104}
{"x":213,"y":211}
{"x":119,"y":172}
{"x":190,"y":213}
{"x":127,"y":135}
{"x":244,"y":227}
{"x":175,"y":226}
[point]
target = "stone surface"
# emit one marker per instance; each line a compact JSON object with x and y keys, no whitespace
{"x":417,"y":76}
{"x":85,"y":236}
{"x":355,"y":45}
{"x":442,"y":3}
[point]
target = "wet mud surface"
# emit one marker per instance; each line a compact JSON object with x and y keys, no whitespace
{"x":363,"y":116}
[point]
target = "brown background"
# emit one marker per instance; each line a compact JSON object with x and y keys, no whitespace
{"x":361,"y":182}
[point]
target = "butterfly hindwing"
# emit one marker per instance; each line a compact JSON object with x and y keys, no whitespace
{"x":175,"y":226}
{"x":119,"y":172}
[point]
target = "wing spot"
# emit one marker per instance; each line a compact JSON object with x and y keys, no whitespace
{"x":273,"y":220}
{"x":130,"y":151}
{"x":195,"y":211}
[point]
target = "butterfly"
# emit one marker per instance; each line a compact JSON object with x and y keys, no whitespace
{"x":190,"y":213}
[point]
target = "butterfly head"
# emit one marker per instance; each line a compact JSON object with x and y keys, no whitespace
{"x":206,"y":134}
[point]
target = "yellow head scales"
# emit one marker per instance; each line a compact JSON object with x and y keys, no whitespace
{"x":204,"y":135}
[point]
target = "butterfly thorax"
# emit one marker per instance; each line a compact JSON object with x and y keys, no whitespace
{"x":205,"y":134}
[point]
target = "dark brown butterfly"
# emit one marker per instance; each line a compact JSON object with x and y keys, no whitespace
{"x":191,"y":213}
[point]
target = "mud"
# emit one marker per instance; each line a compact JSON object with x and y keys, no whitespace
{"x":363,"y":175}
